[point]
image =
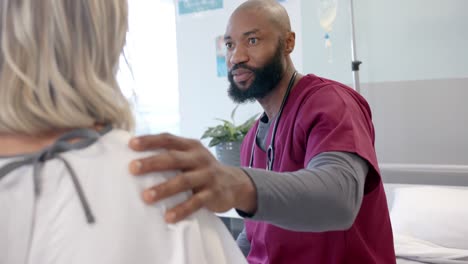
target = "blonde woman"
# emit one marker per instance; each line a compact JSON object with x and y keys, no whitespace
{"x":65,"y":192}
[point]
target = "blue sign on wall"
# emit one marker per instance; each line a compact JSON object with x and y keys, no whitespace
{"x":221,"y":66}
{"x":195,"y":6}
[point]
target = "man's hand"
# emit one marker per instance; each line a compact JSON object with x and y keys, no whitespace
{"x":215,"y":186}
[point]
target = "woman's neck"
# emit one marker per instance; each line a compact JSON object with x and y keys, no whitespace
{"x":15,"y":144}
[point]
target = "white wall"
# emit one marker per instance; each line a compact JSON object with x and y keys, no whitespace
{"x":203,"y":95}
{"x":420,"y":122}
{"x":397,"y":40}
{"x":413,"y":40}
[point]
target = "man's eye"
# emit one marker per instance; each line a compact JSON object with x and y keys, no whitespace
{"x":228,"y":45}
{"x":253,"y":41}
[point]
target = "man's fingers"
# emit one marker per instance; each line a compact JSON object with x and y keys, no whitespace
{"x":165,"y":140}
{"x":168,"y":160}
{"x":186,"y":208}
{"x":180,"y":183}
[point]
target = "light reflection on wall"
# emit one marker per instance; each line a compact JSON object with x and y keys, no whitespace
{"x":148,"y":72}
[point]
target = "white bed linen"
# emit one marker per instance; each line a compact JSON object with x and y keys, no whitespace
{"x":437,"y":214}
{"x":415,"y":249}
{"x":430,"y":224}
{"x":406,"y":261}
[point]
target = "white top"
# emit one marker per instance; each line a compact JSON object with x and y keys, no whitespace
{"x":53,"y":228}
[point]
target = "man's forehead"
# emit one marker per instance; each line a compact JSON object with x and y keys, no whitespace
{"x":244,"y":21}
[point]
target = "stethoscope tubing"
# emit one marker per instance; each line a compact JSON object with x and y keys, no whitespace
{"x":271,"y":147}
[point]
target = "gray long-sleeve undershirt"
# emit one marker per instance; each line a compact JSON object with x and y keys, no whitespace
{"x":325,"y":196}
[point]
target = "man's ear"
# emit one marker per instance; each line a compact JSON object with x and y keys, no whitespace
{"x":290,"y":42}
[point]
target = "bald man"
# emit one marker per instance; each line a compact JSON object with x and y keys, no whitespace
{"x":309,"y":186}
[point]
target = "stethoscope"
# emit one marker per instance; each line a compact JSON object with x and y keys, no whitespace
{"x":271,"y":148}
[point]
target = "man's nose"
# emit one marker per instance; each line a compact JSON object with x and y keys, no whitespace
{"x":238,"y":56}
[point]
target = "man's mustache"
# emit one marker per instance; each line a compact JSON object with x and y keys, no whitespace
{"x":241,"y":66}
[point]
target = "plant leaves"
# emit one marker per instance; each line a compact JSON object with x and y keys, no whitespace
{"x":228,"y":131}
{"x":248,"y":124}
{"x":233,"y":113}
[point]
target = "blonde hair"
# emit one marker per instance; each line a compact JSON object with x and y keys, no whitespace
{"x":58,"y":65}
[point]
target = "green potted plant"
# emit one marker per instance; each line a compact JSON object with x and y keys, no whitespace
{"x":227,"y":138}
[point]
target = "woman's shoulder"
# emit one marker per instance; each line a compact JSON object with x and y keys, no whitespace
{"x":107,"y":162}
{"x":112,"y":148}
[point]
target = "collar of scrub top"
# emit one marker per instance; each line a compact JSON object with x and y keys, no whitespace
{"x":86,"y":137}
{"x":271,"y":147}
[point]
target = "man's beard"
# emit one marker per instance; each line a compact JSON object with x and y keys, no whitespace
{"x":265,"y":79}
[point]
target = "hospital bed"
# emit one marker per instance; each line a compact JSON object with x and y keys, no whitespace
{"x":429,"y":212}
